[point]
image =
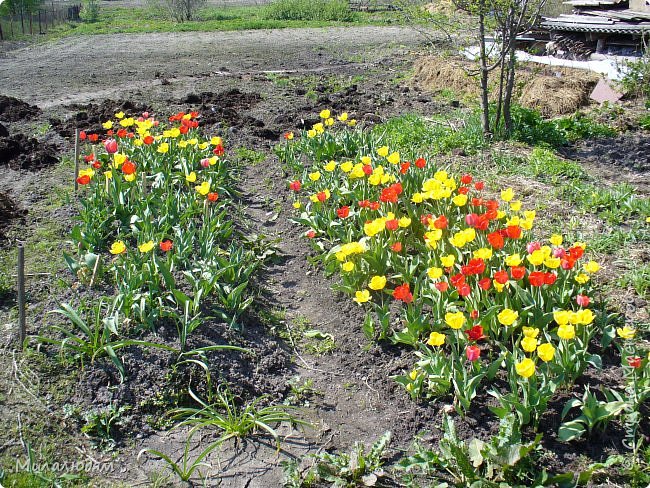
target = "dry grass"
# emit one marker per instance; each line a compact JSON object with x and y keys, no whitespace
{"x":558,"y":95}
{"x":553,"y":91}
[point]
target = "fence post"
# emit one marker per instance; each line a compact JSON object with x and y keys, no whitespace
{"x":22,"y":21}
{"x":21,"y":292}
{"x":40,"y":26}
{"x":31,"y":16}
{"x":1,"y":38}
{"x":76,"y":159}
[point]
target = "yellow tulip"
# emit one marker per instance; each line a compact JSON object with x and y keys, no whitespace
{"x":146,"y":247}
{"x":436,"y":339}
{"x":525,"y":368}
{"x":546,"y":352}
{"x":566,"y":332}
{"x":377,"y":283}
{"x":118,"y":247}
{"x":455,"y":320}
{"x":362,"y":296}
{"x":507,"y":317}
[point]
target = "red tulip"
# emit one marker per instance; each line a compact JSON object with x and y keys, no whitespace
{"x":466,"y":179}
{"x":475,"y":333}
{"x":128,"y":168}
{"x":442,"y":286}
{"x":397,"y":247}
{"x":634,"y":361}
{"x":517,"y":272}
{"x":295,"y":185}
{"x":501,"y":277}
{"x":213,"y":196}
{"x":166,"y":245}
{"x":343,"y":212}
{"x":392,"y":224}
{"x":83,"y":180}
{"x":420,"y":163}
{"x":583,"y":300}
{"x":473,"y":353}
{"x":536,"y":278}
{"x":485,"y":283}
{"x":403,"y":293}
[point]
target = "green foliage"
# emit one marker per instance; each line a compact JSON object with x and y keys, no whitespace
{"x":96,"y":336}
{"x":503,"y":459}
{"x":530,"y":127}
{"x":329,"y":10}
{"x":90,"y":11}
{"x":347,"y":469}
{"x":221,"y":411}
{"x":616,"y":204}
{"x":636,"y":276}
{"x":185,"y":467}
{"x":636,"y":78}
{"x":594,"y":414}
{"x":544,"y":163}
{"x":418,"y":136}
{"x":644,"y":122}
{"x":99,"y":423}
{"x":580,"y":126}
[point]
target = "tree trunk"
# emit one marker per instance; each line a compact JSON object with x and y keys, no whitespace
{"x":502,"y":76}
{"x":485,"y":106}
{"x":507,"y":101}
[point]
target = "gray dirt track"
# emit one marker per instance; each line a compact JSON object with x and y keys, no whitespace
{"x":79,"y":69}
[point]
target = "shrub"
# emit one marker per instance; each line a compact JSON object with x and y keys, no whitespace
{"x":636,"y":79}
{"x":305,"y":10}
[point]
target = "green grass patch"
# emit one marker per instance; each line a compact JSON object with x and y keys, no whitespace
{"x":310,"y":10}
{"x":112,"y":20}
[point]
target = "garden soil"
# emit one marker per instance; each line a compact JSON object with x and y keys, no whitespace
{"x":250,"y":87}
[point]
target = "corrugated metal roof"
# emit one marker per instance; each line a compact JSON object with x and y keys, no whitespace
{"x":617,"y":28}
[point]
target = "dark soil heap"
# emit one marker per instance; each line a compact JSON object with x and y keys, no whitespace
{"x":22,"y":152}
{"x":89,"y":117}
{"x":14,"y":110}
{"x":9,"y":211}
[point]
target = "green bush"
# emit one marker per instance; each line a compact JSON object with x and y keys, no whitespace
{"x":579,"y":126}
{"x":636,"y":79}
{"x":324,"y":10}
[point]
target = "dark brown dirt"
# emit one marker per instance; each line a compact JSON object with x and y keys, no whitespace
{"x":14,"y":110}
{"x":9,"y":213}
{"x":21,"y":152}
{"x":629,"y":150}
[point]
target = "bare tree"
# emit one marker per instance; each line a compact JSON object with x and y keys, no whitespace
{"x":180,"y":10}
{"x":508,"y":19}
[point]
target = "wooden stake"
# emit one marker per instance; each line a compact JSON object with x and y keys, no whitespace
{"x":76,"y":159}
{"x":21,"y":293}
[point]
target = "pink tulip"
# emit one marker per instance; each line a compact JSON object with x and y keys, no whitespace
{"x":110,"y":145}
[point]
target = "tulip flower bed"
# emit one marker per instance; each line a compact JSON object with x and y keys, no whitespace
{"x":154,"y":204}
{"x":447,"y":267}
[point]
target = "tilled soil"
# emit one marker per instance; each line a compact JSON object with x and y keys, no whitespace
{"x":628,"y":150}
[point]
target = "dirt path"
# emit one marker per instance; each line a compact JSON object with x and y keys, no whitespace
{"x":80,"y":69}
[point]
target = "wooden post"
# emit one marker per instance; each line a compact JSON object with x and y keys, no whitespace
{"x":76,"y":158}
{"x":21,"y":292}
{"x":40,"y":25}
